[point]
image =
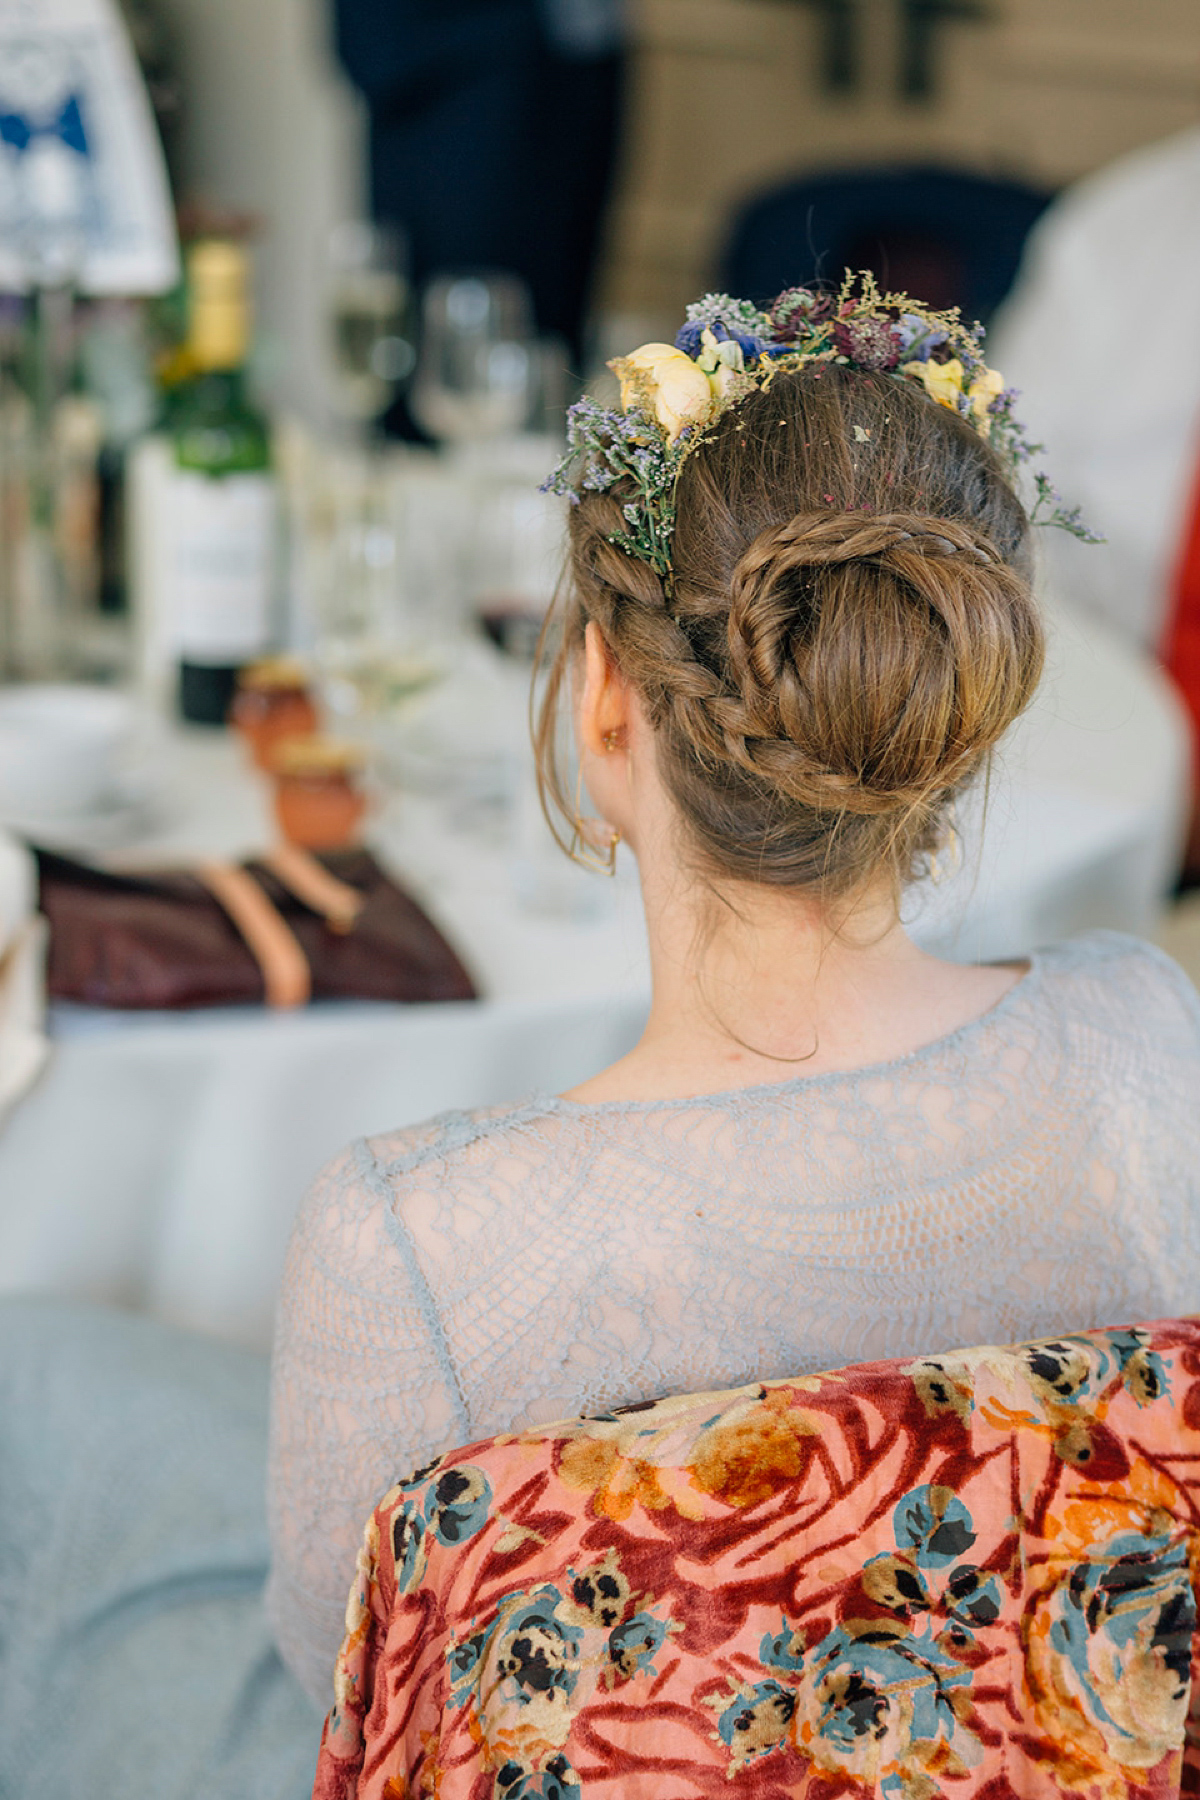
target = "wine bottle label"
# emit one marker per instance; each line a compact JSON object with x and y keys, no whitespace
{"x":219,"y":565}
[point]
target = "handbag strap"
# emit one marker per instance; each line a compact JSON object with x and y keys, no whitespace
{"x":302,"y":875}
{"x":287,"y":978}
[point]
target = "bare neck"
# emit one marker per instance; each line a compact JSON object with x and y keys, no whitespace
{"x":753,"y":984}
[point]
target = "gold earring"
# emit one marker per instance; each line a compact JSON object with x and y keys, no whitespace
{"x":953,"y":845}
{"x":582,"y":850}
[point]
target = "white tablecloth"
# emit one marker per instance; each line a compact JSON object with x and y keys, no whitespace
{"x":160,"y":1159}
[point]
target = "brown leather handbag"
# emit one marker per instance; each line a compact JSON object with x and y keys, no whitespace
{"x":282,"y":929}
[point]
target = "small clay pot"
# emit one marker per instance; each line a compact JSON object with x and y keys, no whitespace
{"x":319,"y":799}
{"x":273,"y":703}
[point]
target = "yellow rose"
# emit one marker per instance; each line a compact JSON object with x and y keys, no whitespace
{"x":943,"y":381}
{"x":666,"y":382}
{"x":987,"y":386}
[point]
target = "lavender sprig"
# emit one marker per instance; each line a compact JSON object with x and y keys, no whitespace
{"x":607,"y":448}
{"x":1067,"y":518}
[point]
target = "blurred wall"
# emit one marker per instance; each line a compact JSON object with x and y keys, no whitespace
{"x":271,"y":127}
{"x":727,"y":99}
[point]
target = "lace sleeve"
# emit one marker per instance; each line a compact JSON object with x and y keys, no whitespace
{"x":1183,"y":989}
{"x":362,"y":1392}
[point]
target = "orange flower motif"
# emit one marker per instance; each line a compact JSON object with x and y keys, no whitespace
{"x":618,"y":1483}
{"x":748,"y":1455}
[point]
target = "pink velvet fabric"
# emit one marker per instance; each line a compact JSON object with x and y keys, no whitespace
{"x":967,"y":1575}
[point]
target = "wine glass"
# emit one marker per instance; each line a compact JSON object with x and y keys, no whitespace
{"x":518,"y":546}
{"x":477,"y":374}
{"x":373,"y":654}
{"x":370,"y":313}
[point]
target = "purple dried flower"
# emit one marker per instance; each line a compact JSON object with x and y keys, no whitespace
{"x":688,"y":338}
{"x":918,"y":337}
{"x":868,"y":343}
{"x":798,"y":310}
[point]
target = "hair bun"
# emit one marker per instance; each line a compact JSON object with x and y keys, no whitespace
{"x":874,"y":660}
{"x":819,"y":680}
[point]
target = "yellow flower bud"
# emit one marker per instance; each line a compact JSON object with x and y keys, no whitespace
{"x":722,"y":376}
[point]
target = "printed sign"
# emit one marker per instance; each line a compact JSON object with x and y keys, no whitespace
{"x":83,"y":188}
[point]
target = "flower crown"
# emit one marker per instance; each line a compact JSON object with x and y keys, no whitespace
{"x":672,"y":395}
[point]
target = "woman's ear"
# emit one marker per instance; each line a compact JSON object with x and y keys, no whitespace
{"x":604,"y":702}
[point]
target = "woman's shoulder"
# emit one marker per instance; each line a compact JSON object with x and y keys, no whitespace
{"x":1110,"y":979}
{"x":386,"y":1203}
{"x":465,"y":1136}
{"x":371,"y":1171}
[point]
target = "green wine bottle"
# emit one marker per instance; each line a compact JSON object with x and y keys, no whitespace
{"x":223,"y":514}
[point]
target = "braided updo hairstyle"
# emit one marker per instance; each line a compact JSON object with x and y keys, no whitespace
{"x":848,"y":631}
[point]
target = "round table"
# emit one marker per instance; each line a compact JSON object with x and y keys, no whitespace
{"x":160,"y":1159}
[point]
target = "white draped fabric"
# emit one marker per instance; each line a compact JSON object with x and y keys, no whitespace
{"x":1100,"y":336}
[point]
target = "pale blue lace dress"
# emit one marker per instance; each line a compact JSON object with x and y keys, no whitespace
{"x":1034,"y":1172}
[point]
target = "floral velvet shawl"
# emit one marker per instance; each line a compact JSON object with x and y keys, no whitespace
{"x":968,"y":1575}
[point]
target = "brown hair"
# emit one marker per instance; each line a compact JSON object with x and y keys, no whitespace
{"x":848,"y":630}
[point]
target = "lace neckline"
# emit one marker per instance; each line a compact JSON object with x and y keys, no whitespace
{"x":1023,"y":990}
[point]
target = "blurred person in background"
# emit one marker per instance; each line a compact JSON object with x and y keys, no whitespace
{"x":1100,"y":336}
{"x":493,"y":133}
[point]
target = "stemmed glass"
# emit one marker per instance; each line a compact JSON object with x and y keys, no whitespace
{"x":369,"y":663}
{"x":372,"y":648}
{"x":476,"y":375}
{"x":370,"y":315}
